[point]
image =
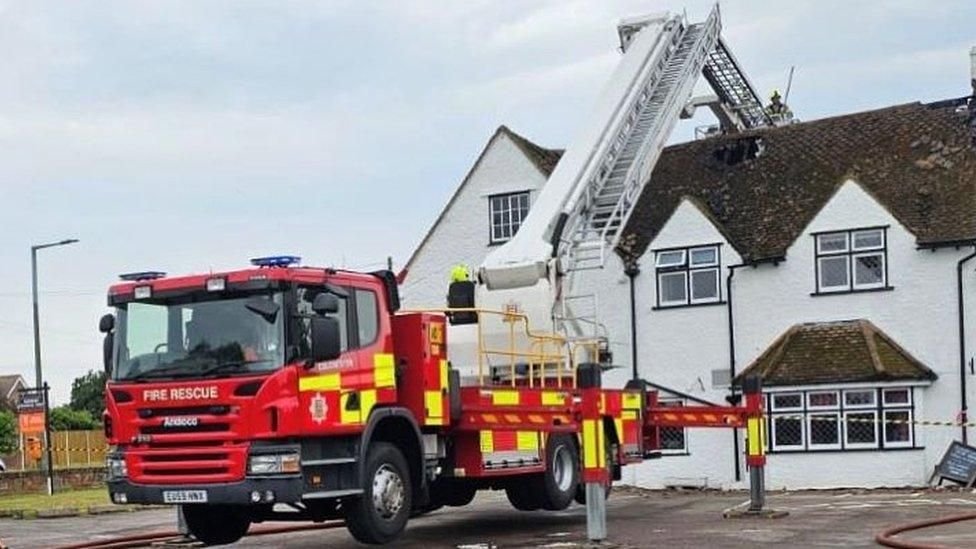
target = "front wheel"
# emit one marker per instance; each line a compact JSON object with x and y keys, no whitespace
{"x":217,"y":524}
{"x":381,"y":512}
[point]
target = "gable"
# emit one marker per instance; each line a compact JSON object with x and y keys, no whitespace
{"x":541,"y":160}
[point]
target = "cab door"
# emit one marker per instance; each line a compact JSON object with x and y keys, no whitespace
{"x":338,"y":395}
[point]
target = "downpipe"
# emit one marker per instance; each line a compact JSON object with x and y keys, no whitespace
{"x":963,"y":400}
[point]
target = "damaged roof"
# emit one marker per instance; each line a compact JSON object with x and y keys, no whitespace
{"x":848,"y":351}
{"x":762,"y":187}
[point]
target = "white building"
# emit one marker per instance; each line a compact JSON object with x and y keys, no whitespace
{"x":831,"y":257}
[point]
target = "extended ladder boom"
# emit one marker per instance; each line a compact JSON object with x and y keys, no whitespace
{"x":579,"y":213}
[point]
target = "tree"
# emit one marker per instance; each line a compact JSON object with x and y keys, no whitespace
{"x":8,"y":432}
{"x":88,"y":393}
{"x":63,"y":418}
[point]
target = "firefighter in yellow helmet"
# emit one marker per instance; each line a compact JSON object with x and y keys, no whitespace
{"x":460,"y":273}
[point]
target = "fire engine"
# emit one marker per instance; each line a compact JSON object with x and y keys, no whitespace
{"x":283,"y":392}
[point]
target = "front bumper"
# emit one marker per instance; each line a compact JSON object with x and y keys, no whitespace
{"x":286,"y":490}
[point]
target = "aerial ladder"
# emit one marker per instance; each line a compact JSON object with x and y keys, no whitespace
{"x":575,"y":223}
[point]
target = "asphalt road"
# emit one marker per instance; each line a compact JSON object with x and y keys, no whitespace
{"x":636,"y":519}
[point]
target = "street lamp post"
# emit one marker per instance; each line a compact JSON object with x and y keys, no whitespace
{"x":37,"y":355}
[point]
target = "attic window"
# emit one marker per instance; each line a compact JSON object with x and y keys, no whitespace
{"x":737,"y":151}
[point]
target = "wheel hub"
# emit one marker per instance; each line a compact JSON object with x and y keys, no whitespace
{"x":388,"y":492}
{"x":562,"y":468}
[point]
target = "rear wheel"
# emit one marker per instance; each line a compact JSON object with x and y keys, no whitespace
{"x":381,"y":512}
{"x":522,"y":496}
{"x":217,"y":524}
{"x":558,"y":484}
{"x":452,"y":493}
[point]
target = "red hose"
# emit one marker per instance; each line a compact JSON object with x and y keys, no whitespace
{"x":143,"y":540}
{"x":886,"y":538}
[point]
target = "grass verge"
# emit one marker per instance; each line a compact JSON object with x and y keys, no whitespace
{"x":29,"y":505}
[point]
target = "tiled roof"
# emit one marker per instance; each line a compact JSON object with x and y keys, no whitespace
{"x":835,"y":352}
{"x":7,"y":383}
{"x":917,"y":160}
{"x":544,"y":159}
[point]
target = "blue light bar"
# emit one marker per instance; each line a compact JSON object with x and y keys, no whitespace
{"x":276,"y":261}
{"x":143,"y":275}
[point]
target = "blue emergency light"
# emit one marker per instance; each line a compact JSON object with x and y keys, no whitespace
{"x":276,"y":261}
{"x":142,"y":275}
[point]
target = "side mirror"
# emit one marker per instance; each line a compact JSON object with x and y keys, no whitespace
{"x":106,"y":324}
{"x":325,"y":303}
{"x":326,"y":343}
{"x":108,"y":345}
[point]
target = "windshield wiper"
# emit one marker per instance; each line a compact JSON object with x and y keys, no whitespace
{"x":175,"y":370}
{"x":217,"y":368}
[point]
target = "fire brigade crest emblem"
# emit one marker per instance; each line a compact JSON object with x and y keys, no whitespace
{"x":318,"y":408}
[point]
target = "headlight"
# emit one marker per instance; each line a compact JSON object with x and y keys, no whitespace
{"x":116,"y":468}
{"x":274,"y":464}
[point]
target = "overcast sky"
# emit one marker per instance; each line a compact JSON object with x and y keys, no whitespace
{"x":188,"y":136}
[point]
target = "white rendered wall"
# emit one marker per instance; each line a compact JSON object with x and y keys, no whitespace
{"x":680,"y":347}
{"x":462,"y":236}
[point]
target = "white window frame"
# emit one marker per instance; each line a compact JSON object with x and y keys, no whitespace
{"x":884,"y":430}
{"x":661,"y":255}
{"x":798,"y":417}
{"x":511,"y":207}
{"x":861,"y":445}
{"x":691,"y":286}
{"x":908,"y":397}
{"x":811,"y":406}
{"x":671,"y":261}
{"x":850,"y":253}
{"x":823,"y":288}
{"x":823,"y":412}
{"x":671,"y":303}
{"x":853,"y":271}
{"x":797,"y":414}
{"x":870,"y":406}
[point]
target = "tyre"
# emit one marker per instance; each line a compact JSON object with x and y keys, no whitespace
{"x":558,"y":484}
{"x":522,"y":496}
{"x":381,"y":512}
{"x":452,"y":493}
{"x":217,"y":524}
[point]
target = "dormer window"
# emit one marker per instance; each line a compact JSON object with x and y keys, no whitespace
{"x":851,"y":261}
{"x":506,"y":212}
{"x":687,"y":276}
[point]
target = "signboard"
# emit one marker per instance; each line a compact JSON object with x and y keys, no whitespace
{"x":958,"y":464}
{"x":30,"y":411}
{"x":30,"y":400}
{"x":31,"y":423}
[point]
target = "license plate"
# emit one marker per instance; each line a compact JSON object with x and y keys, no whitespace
{"x":184,"y":496}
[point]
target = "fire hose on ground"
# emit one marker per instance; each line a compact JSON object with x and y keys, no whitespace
{"x":887,"y":538}
{"x":145,"y":540}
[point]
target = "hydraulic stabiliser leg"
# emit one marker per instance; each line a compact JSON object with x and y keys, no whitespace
{"x":595,"y":474}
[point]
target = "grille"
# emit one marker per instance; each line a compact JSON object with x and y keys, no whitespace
{"x":201,"y":428}
{"x":216,"y":410}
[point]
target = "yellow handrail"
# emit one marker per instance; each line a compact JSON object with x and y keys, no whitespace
{"x":544,"y":348}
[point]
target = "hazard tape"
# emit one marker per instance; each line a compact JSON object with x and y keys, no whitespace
{"x":921,"y":422}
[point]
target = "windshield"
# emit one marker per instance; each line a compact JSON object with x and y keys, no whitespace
{"x":197,"y":338}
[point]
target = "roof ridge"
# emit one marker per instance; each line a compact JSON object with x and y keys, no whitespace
{"x":868,"y":330}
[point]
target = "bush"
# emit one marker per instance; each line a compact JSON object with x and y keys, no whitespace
{"x":8,"y":432}
{"x":88,"y":393}
{"x":63,"y":418}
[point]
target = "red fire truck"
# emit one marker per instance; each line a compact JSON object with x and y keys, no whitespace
{"x":289,"y":393}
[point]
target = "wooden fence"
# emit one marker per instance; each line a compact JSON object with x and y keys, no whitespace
{"x":68,"y":449}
